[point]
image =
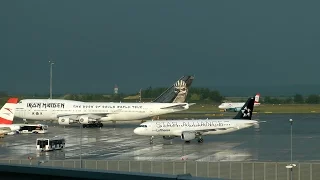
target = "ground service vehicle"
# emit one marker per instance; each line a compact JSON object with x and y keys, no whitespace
{"x":37,"y":129}
{"x":50,"y":144}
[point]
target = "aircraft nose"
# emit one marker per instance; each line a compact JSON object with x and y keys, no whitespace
{"x":136,"y":131}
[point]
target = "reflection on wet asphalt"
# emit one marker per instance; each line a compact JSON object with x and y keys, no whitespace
{"x":271,"y":142}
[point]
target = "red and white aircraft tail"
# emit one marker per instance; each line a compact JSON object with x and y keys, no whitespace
{"x":7,"y":111}
{"x":256,"y":99}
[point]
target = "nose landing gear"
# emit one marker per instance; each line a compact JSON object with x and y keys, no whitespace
{"x":200,"y":140}
{"x":99,"y":124}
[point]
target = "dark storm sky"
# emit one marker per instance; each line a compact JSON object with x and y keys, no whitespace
{"x":136,"y":44}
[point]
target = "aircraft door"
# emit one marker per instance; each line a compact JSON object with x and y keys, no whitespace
{"x":20,"y":113}
{"x":53,"y":115}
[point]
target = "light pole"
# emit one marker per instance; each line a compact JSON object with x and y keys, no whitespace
{"x":291,"y":122}
{"x":291,"y":165}
{"x":51,"y":63}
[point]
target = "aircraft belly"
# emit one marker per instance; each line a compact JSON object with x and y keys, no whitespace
{"x":123,"y":117}
{"x":219,"y":132}
{"x":163,"y":111}
{"x":163,"y":133}
{"x":176,"y":133}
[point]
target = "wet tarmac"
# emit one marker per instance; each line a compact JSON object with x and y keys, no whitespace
{"x":269,"y":142}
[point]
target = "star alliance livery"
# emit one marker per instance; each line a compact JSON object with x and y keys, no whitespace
{"x":236,"y":106}
{"x":195,"y":129}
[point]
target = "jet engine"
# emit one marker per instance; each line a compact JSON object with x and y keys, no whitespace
{"x":187,"y":136}
{"x":168,"y":137}
{"x":64,"y":121}
{"x":237,"y":109}
{"x":85,"y":120}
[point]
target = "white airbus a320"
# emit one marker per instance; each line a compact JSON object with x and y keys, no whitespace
{"x":236,"y":106}
{"x":195,"y":129}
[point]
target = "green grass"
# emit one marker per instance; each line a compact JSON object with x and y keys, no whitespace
{"x":289,"y":108}
{"x":212,"y":111}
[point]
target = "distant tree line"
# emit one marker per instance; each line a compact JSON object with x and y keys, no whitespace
{"x":197,"y":95}
{"x":194,"y":94}
{"x":94,"y":97}
{"x":296,"y":99}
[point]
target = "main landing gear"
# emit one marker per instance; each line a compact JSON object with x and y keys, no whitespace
{"x":25,"y":121}
{"x":92,"y":125}
{"x":200,"y":140}
{"x":151,"y":140}
{"x":114,"y":125}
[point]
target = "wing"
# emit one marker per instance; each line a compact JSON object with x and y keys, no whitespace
{"x":97,"y":115}
{"x":179,"y":106}
{"x":201,"y":132}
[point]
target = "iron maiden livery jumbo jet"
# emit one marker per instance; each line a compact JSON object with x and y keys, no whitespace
{"x":236,"y":106}
{"x":92,"y":114}
{"x":195,"y":129}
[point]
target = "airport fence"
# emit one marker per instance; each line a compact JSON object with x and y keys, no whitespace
{"x":224,"y":170}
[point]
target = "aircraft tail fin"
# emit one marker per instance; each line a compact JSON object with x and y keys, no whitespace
{"x":246,"y":110}
{"x":178,"y":92}
{"x":7,"y":111}
{"x":256,"y":98}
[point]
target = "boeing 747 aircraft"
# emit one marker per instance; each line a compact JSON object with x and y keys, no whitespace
{"x":91,"y":113}
{"x":195,"y":129}
{"x":236,"y":106}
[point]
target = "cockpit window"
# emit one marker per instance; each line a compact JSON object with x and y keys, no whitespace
{"x":20,"y":101}
{"x":143,"y":126}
